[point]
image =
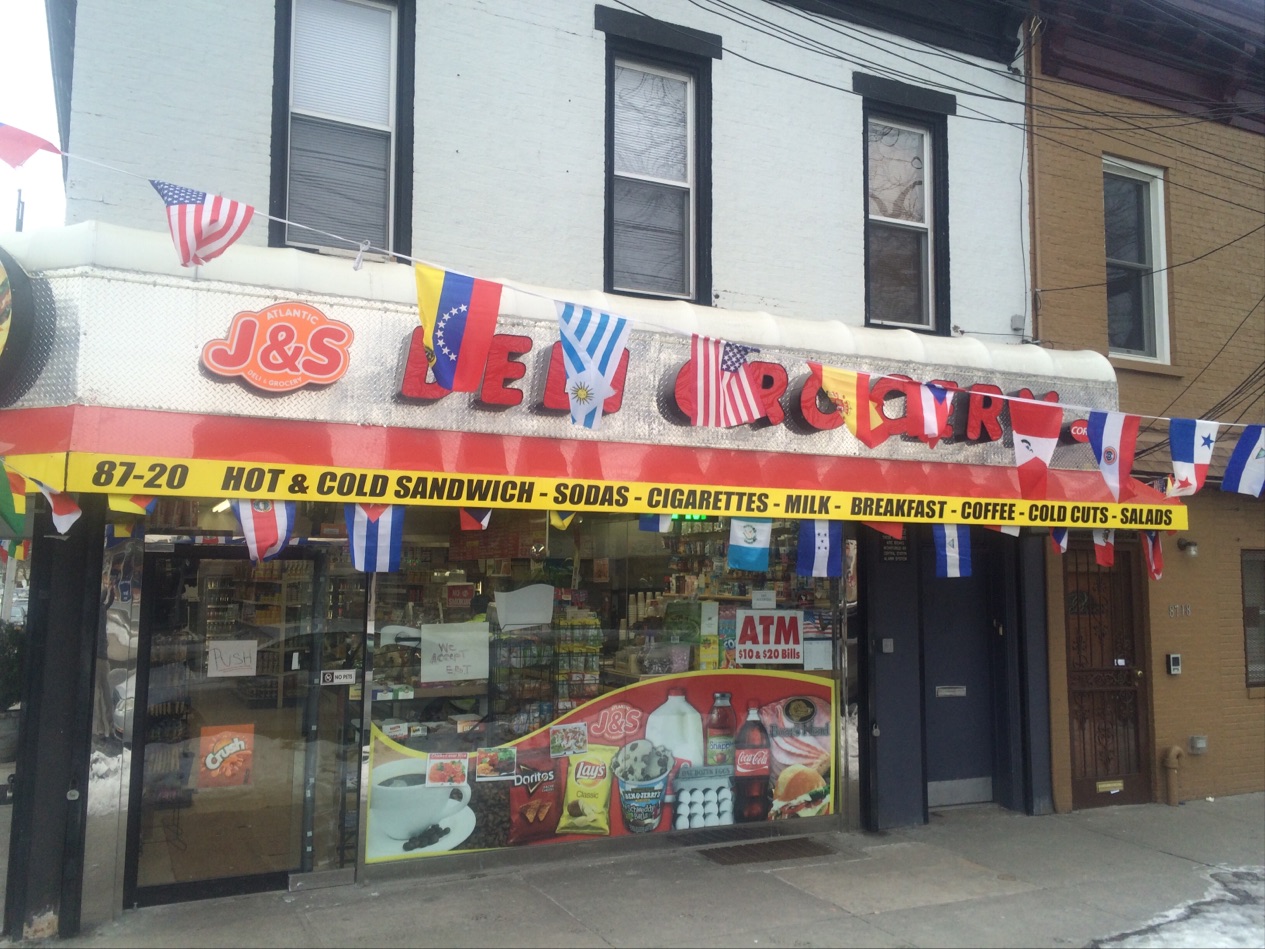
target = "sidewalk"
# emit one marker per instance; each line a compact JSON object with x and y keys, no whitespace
{"x":973,"y":876}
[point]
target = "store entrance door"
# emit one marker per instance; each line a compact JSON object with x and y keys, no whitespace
{"x":244,"y":771}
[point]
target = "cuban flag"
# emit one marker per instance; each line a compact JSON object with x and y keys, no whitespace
{"x":1113,"y":436}
{"x":1058,"y":538}
{"x":953,"y":550}
{"x":820,"y":549}
{"x":376,"y":534}
{"x":654,"y":522}
{"x":1245,"y":472}
{"x":592,"y":346}
{"x":266,"y":526}
{"x":749,"y":543}
{"x":1105,"y":547}
{"x":928,"y":406}
{"x":1154,"y":553}
{"x":475,"y":519}
{"x":132,"y":503}
{"x":65,"y":510}
{"x":1035,"y":430}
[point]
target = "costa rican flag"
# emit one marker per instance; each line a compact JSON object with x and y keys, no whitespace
{"x":820,"y":551}
{"x":65,"y":510}
{"x":1113,"y":436}
{"x":266,"y":526}
{"x":953,"y":550}
{"x":376,"y":533}
{"x":928,"y":406}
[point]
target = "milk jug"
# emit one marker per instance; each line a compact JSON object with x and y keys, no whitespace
{"x":678,"y":726}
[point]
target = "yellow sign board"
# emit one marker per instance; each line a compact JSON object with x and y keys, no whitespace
{"x":132,"y":475}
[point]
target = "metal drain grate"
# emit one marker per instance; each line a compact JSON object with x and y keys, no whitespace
{"x":763,"y":851}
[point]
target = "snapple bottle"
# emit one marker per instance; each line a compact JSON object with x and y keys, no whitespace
{"x":720,"y":731}
{"x":751,"y":769}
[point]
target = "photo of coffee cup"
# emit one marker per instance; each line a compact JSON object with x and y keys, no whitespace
{"x":402,"y":805}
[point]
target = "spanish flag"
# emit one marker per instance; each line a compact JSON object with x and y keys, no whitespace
{"x":132,"y":504}
{"x":850,"y":392}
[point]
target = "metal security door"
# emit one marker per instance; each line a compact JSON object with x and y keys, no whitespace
{"x":1106,"y":681}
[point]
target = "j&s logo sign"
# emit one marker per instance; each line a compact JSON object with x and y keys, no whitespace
{"x":281,"y":348}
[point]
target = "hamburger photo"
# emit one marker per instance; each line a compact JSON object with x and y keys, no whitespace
{"x":800,"y":792}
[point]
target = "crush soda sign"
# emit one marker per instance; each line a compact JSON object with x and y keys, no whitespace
{"x":769,"y":636}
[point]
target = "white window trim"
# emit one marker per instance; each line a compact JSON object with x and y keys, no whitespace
{"x":928,"y":186}
{"x":1154,"y":177}
{"x":691,"y":173}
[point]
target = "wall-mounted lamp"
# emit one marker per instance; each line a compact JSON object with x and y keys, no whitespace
{"x":1190,"y":546}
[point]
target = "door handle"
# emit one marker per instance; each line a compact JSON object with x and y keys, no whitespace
{"x":1138,"y":673}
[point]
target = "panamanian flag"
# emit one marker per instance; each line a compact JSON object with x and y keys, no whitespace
{"x":376,"y":535}
{"x":820,"y":549}
{"x":266,"y":526}
{"x":1190,"y":445}
{"x":953,"y":550}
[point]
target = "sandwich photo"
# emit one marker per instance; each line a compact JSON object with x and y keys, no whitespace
{"x":800,"y":792}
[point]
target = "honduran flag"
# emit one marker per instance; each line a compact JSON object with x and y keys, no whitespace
{"x":65,"y":510}
{"x":953,"y":550}
{"x":475,"y":519}
{"x":1113,"y":436}
{"x":1058,"y":538}
{"x":1153,"y":552}
{"x":654,"y":522}
{"x":928,"y":406}
{"x":1035,"y":429}
{"x":1190,"y":444}
{"x":820,"y":549}
{"x":266,"y":526}
{"x":749,"y":543}
{"x":376,"y":535}
{"x":132,"y":503}
{"x":1245,"y":472}
{"x":1105,"y":547}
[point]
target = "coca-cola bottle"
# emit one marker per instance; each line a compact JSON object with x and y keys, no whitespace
{"x":751,"y":769}
{"x":720,"y":731}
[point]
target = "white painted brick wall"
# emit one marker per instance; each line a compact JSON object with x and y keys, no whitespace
{"x":509,"y":145}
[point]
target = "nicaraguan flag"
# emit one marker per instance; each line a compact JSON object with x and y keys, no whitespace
{"x":1245,"y":472}
{"x":749,"y":543}
{"x":376,"y":535}
{"x":592,"y":346}
{"x":266,"y":525}
{"x":65,"y":510}
{"x":820,"y":549}
{"x":1113,"y":436}
{"x":1154,"y":553}
{"x":1190,"y":444}
{"x":475,"y":519}
{"x":1105,"y":547}
{"x":953,"y":550}
{"x":654,"y":522}
{"x":1058,"y":538}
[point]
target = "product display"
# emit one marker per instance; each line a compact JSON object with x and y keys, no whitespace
{"x":751,"y":769}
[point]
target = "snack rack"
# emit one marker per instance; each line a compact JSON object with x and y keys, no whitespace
{"x":520,"y":681}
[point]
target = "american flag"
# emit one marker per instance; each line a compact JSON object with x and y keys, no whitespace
{"x":726,"y":392}
{"x":203,"y":225}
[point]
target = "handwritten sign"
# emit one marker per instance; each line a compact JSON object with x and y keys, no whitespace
{"x":231,"y":657}
{"x":454,"y":651}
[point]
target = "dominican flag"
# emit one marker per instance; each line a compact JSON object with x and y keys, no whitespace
{"x":1113,"y":436}
{"x":1105,"y":547}
{"x":592,"y":346}
{"x":1058,"y":538}
{"x":132,"y":503}
{"x":376,"y":534}
{"x":202,"y":225}
{"x":475,"y":519}
{"x":1245,"y":472}
{"x":1154,"y":553}
{"x":65,"y":510}
{"x":561,"y":520}
{"x":953,"y":550}
{"x":749,"y":543}
{"x":1035,"y":429}
{"x":1190,"y":443}
{"x":928,"y":406}
{"x":820,"y":549}
{"x":266,"y":526}
{"x":654,"y":522}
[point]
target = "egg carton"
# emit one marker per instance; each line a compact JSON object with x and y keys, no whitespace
{"x":703,"y":797}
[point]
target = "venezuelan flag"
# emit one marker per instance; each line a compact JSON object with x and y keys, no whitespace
{"x":458,"y":315}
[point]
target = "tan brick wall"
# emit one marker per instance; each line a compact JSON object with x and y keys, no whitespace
{"x":1212,"y":195}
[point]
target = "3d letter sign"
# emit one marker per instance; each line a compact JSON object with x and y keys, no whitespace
{"x":282,"y":347}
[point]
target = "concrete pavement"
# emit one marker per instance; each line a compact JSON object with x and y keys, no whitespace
{"x":974,"y":876}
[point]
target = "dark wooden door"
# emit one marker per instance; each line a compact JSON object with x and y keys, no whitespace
{"x":1106,"y":678}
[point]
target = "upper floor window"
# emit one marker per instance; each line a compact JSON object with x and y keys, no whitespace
{"x":901,"y":245}
{"x":1133,"y":220}
{"x":342,"y":132}
{"x":658,"y":156}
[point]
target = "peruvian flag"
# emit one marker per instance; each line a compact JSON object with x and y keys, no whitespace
{"x":1190,"y":443}
{"x":266,"y":526}
{"x":1113,"y":436}
{"x":928,"y":406}
{"x":376,"y":533}
{"x":475,"y":519}
{"x":1035,"y":429}
{"x":65,"y":510}
{"x":1154,"y":553}
{"x":1105,"y":547}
